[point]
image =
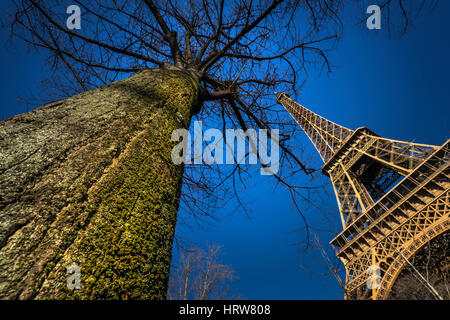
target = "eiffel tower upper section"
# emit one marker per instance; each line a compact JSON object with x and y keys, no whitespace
{"x":393,"y":197}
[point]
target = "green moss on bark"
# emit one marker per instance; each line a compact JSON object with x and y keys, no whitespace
{"x":103,"y":193}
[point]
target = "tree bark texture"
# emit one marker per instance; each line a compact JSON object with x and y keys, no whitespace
{"x":89,"y":181}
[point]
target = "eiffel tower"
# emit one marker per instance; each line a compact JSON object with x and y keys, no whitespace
{"x":393,"y":198}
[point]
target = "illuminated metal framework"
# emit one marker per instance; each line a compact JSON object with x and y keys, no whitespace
{"x":393,"y":198}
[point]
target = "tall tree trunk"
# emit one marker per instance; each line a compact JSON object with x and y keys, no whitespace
{"x":89,"y":181}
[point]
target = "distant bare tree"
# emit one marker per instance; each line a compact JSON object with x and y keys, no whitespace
{"x":199,"y":275}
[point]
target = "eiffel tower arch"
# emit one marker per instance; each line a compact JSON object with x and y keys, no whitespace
{"x":393,"y":198}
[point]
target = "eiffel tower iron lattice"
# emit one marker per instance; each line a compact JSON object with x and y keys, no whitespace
{"x":393,"y":198}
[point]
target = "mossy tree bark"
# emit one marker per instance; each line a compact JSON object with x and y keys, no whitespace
{"x":89,"y":180}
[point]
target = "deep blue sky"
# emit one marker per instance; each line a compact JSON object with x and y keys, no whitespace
{"x":396,"y":86}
